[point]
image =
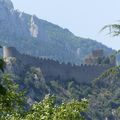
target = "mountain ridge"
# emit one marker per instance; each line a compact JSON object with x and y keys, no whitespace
{"x":37,"y":37}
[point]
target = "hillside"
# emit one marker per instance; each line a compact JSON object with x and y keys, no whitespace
{"x":37,"y":37}
{"x":102,"y":94}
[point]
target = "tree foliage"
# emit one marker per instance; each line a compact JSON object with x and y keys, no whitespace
{"x":48,"y":110}
{"x":114,"y":29}
{"x":12,"y":104}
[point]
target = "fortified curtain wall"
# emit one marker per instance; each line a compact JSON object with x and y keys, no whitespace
{"x":53,"y":70}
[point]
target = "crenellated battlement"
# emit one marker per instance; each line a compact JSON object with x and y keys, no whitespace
{"x":53,"y":69}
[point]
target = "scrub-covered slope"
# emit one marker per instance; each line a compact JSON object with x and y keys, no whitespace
{"x":37,"y":37}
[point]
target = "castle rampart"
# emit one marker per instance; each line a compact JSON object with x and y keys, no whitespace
{"x":52,"y":69}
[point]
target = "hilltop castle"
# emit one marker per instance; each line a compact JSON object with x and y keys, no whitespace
{"x":92,"y":58}
{"x":53,"y":70}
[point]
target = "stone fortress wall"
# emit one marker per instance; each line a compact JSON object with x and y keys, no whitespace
{"x":53,"y":70}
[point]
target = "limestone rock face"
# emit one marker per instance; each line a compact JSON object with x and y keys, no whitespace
{"x":14,"y":66}
{"x":33,"y":28}
{"x":36,"y":37}
{"x":28,"y":77}
{"x":14,"y":23}
{"x":7,"y":3}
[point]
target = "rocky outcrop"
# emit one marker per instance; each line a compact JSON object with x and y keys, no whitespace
{"x":37,"y":37}
{"x":29,"y":78}
{"x":7,"y":3}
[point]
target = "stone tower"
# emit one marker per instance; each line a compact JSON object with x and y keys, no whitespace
{"x":10,"y":52}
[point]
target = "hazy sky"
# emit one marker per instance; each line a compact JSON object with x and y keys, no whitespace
{"x":82,"y":17}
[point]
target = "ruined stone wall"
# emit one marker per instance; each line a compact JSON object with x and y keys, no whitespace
{"x":52,"y":69}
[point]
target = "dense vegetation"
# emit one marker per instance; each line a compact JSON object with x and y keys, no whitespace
{"x":101,"y":93}
{"x":13,"y":105}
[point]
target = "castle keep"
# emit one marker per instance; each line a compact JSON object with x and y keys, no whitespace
{"x":53,"y":70}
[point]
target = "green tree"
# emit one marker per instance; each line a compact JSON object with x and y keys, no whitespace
{"x":48,"y":110}
{"x":12,"y":100}
{"x":12,"y":104}
{"x":114,"y":29}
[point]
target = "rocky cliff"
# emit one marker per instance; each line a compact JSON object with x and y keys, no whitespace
{"x":37,"y":37}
